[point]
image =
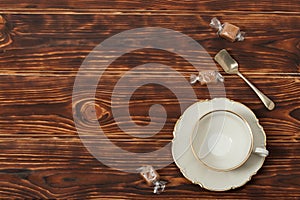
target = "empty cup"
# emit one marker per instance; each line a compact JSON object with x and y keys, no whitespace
{"x":222,"y":140}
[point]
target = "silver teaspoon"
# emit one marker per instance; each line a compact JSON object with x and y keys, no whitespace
{"x":230,"y":66}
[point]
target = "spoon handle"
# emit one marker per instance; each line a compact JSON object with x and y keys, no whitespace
{"x":266,"y":100}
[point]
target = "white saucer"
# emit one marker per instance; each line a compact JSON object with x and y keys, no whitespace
{"x":196,"y":171}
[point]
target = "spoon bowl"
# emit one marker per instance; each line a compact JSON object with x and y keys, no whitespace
{"x":229,"y":65}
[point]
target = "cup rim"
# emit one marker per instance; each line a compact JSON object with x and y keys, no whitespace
{"x":249,"y":131}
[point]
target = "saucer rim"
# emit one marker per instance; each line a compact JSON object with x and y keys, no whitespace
{"x":255,"y":120}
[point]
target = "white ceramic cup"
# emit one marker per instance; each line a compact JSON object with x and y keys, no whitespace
{"x":223,"y":140}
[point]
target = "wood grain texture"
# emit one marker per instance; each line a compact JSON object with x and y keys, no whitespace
{"x":119,"y":5}
{"x":60,"y":43}
{"x":5,"y":32}
{"x":63,"y":168}
{"x":41,"y":154}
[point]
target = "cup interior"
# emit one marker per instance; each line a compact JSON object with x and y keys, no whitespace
{"x":222,"y":140}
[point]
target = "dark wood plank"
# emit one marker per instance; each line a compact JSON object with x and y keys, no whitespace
{"x":64,"y":169}
{"x":65,"y":184}
{"x":34,"y":90}
{"x":54,"y":174}
{"x":41,"y":96}
{"x":119,"y":5}
{"x":43,"y":157}
{"x":43,"y":43}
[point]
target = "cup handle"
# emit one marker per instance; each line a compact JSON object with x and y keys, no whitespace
{"x":261,"y":151}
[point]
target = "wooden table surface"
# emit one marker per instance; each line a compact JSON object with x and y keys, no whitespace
{"x":42,"y":46}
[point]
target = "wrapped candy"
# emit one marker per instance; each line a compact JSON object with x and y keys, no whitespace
{"x":227,"y":30}
{"x":207,"y":76}
{"x":152,"y":178}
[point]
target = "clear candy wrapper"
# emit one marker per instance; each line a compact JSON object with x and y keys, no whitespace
{"x":227,"y":30}
{"x":150,"y":175}
{"x":205,"y":77}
